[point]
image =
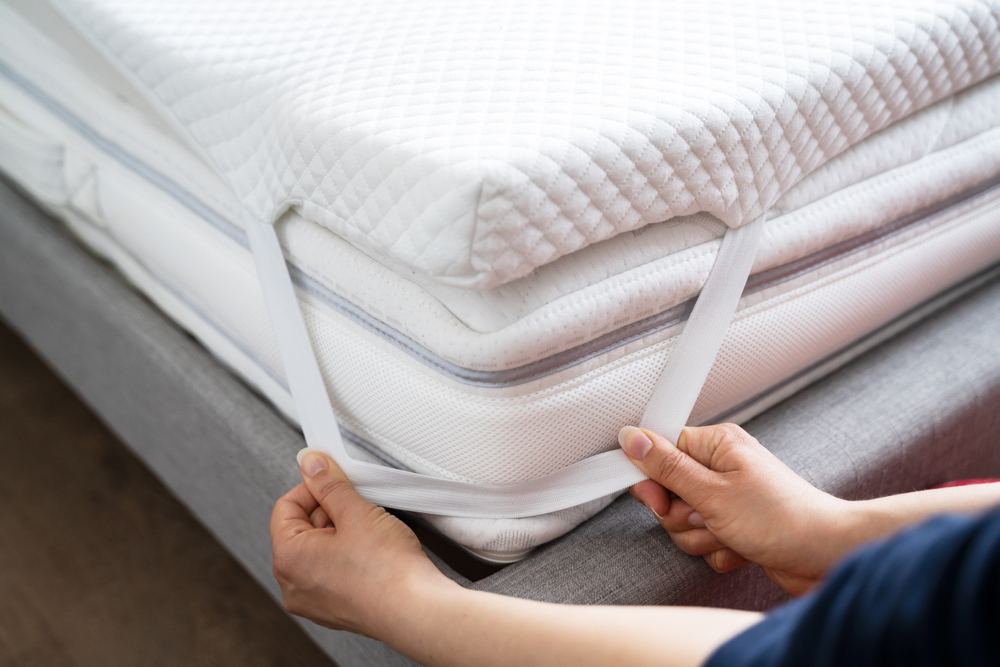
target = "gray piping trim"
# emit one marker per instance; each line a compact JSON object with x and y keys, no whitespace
{"x":157,"y":179}
{"x":361,"y":443}
{"x":492,"y":379}
{"x":792,"y":270}
{"x":504,"y":378}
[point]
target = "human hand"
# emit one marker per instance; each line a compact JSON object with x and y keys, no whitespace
{"x":346,"y":564}
{"x":341,"y":561}
{"x":736,"y":502}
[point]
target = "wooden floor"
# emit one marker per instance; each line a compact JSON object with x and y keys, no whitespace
{"x":99,"y":563}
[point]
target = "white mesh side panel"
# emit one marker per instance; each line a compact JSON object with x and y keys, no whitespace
{"x":438,"y":427}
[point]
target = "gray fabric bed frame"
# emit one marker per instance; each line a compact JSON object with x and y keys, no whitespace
{"x":916,"y":411}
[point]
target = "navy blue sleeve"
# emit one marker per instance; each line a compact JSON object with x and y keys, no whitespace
{"x":929,"y":595}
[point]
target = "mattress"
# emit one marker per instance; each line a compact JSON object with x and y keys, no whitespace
{"x":498,"y":221}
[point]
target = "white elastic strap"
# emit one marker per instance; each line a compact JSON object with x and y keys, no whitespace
{"x":573,"y":485}
{"x":691,"y":360}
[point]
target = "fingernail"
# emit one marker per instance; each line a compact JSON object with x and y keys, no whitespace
{"x":634,"y":442}
{"x":695,"y":520}
{"x":313,"y":463}
{"x":301,"y":454}
{"x":658,"y":517}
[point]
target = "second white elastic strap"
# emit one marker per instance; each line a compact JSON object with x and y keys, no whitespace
{"x":673,"y":397}
{"x":693,"y":355}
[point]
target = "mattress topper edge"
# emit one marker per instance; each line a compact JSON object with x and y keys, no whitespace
{"x":488,"y":214}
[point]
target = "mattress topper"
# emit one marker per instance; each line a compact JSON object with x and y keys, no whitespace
{"x":475,"y":142}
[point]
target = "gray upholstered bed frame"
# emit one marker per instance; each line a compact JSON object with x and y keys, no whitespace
{"x":916,"y":411}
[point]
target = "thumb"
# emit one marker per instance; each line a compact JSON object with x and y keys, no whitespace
{"x":329,"y":486}
{"x":662,"y":462}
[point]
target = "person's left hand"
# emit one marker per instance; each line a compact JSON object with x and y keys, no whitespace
{"x":341,"y":561}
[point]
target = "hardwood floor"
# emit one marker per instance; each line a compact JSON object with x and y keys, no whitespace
{"x":99,"y":563}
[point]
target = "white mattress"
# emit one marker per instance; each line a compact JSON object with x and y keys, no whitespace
{"x":496,"y":248}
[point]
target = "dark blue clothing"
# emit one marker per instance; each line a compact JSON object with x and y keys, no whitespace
{"x":929,"y":595}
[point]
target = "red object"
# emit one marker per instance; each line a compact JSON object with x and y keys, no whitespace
{"x":965,"y":482}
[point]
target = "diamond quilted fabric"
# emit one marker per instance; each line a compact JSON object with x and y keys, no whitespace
{"x":475,"y":141}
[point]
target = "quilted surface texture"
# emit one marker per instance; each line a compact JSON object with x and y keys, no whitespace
{"x":474,"y":142}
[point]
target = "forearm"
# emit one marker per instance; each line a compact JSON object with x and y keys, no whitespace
{"x":866,"y":520}
{"x":455,"y":626}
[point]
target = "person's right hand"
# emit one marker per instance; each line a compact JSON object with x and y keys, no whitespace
{"x":736,"y":502}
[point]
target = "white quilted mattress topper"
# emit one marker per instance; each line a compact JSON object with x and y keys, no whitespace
{"x":475,"y":142}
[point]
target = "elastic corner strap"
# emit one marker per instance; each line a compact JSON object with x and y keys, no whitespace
{"x":693,"y":355}
{"x":673,"y":397}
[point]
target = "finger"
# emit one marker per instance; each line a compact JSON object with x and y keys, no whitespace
{"x":703,"y":442}
{"x":671,"y":512}
{"x":653,"y":496}
{"x":696,"y":541}
{"x":725,"y":560}
{"x":291,"y":512}
{"x":657,"y":457}
{"x":320,"y":519}
{"x":680,"y":516}
{"x":330,"y":487}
